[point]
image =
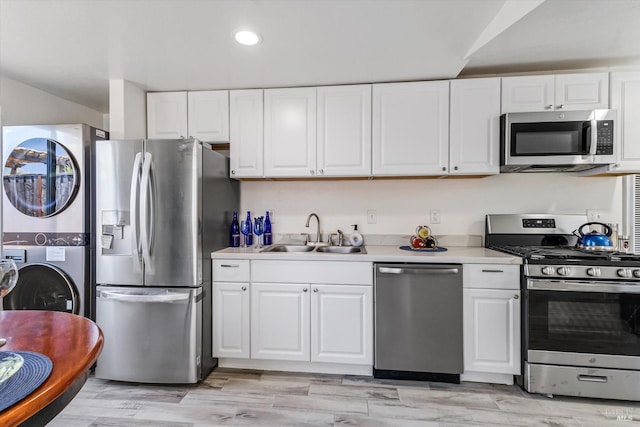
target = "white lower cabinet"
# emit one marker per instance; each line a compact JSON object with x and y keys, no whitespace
{"x":294,"y":311}
{"x":231,"y":319}
{"x":491,"y":330}
{"x":341,"y":324}
{"x":491,"y":322}
{"x":280,"y":321}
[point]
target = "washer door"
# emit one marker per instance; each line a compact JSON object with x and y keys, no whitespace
{"x":43,"y":287}
{"x":40,"y":177}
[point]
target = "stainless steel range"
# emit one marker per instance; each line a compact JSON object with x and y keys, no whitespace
{"x":581,"y":309}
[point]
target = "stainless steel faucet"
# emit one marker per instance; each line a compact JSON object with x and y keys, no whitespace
{"x":340,"y":237}
{"x":317,"y":219}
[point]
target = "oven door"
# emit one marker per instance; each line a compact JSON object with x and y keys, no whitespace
{"x":581,"y":323}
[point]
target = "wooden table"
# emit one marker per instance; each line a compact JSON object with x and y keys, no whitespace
{"x":73,"y":344}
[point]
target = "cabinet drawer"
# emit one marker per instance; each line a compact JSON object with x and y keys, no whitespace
{"x":491,"y":276}
{"x":231,"y":270}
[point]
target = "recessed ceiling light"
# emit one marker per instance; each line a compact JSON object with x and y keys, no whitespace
{"x":248,"y":38}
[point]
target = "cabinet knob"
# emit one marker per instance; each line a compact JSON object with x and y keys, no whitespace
{"x":548,"y":107}
{"x":312,"y":172}
{"x":305,"y":290}
{"x":233,"y":172}
{"x":244,"y":288}
{"x":321,"y":171}
{"x":315,"y":290}
{"x":516,"y":296}
{"x":455,"y":168}
{"x":561,"y":106}
{"x":444,"y":169}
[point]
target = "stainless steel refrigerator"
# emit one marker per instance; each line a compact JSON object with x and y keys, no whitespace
{"x":162,"y":207}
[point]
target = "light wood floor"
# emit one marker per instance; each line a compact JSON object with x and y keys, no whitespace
{"x":235,"y":397}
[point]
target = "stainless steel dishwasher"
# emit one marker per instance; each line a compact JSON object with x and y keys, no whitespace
{"x":418,"y":322}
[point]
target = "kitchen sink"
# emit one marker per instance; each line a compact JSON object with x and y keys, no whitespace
{"x":288,"y":248}
{"x":322,"y":249}
{"x":342,"y":249}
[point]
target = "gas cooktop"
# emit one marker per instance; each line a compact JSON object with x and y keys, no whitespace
{"x":532,"y":254}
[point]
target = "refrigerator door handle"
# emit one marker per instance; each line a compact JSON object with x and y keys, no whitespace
{"x":145,"y":217}
{"x":127,"y":297}
{"x":133,"y":203}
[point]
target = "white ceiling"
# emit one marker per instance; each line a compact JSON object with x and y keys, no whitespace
{"x":72,"y":48}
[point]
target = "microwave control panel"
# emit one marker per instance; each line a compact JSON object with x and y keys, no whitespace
{"x":605,"y":137}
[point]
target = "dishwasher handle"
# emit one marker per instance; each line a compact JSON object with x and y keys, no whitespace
{"x":418,"y":271}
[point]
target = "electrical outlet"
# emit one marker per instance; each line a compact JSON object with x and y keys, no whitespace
{"x":594,"y":215}
{"x":372,"y":216}
{"x":435,"y":215}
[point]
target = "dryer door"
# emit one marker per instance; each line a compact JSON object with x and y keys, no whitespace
{"x":43,"y":287}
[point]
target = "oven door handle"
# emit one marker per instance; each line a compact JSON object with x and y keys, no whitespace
{"x":578,"y":286}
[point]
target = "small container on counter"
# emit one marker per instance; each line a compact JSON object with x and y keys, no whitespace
{"x":623,"y":243}
{"x":268,"y":234}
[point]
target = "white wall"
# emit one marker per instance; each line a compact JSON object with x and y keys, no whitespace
{"x":128,"y":110}
{"x":25,"y":105}
{"x":403,"y":204}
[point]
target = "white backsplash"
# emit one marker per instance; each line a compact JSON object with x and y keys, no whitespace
{"x":403,"y":204}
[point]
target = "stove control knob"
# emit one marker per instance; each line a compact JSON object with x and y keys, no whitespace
{"x":564,"y":271}
{"x":547,"y":271}
{"x":624,"y":272}
{"x":593,"y":271}
{"x":636,"y":273}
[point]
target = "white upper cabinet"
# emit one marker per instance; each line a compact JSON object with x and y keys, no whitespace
{"x":167,"y":115}
{"x":208,"y":115}
{"x":411,"y":128}
{"x":246,"y":130}
{"x":202,"y":115}
{"x":290,"y":132}
{"x":555,"y":92}
{"x":625,"y":98}
{"x":344,"y":131}
{"x":474,"y":135}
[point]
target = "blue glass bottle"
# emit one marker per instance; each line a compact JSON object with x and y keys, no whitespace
{"x":234,"y":238}
{"x":247,"y":230}
{"x":268,"y":236}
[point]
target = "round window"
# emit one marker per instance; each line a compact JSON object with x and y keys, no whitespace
{"x":40,"y":177}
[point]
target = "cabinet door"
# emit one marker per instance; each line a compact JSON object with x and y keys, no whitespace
{"x":411,"y":128}
{"x":167,"y":115}
{"x":491,"y":331}
{"x":584,"y":91}
{"x":208,"y":115}
{"x":290,"y":132}
{"x":527,"y":93}
{"x":344,"y":131}
{"x":625,"y":98}
{"x":474,"y":142}
{"x":342,"y":324}
{"x":245,"y":143}
{"x":280,"y":321}
{"x":231,"y":320}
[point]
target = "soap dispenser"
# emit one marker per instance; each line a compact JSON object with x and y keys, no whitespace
{"x":356,"y":239}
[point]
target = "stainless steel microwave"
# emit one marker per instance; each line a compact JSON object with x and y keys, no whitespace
{"x":557,"y":141}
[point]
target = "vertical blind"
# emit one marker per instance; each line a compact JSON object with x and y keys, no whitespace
{"x":636,"y":213}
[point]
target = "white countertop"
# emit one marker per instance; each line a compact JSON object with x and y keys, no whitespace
{"x":382,"y":253}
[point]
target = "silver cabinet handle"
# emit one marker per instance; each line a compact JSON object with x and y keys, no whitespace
{"x":312,"y":172}
{"x":229,"y":265}
{"x":305,"y":290}
{"x":548,"y":107}
{"x":244,"y":288}
{"x":561,"y":106}
{"x":492,"y":271}
{"x":233,"y":172}
{"x":315,"y":290}
{"x":516,"y":296}
{"x":321,"y":171}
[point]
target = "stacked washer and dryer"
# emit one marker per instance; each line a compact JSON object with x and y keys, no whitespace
{"x":46,"y":214}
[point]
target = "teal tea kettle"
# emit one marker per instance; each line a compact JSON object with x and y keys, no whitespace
{"x":593,"y":240}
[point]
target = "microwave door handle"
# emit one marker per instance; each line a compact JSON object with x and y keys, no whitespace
{"x":593,"y":141}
